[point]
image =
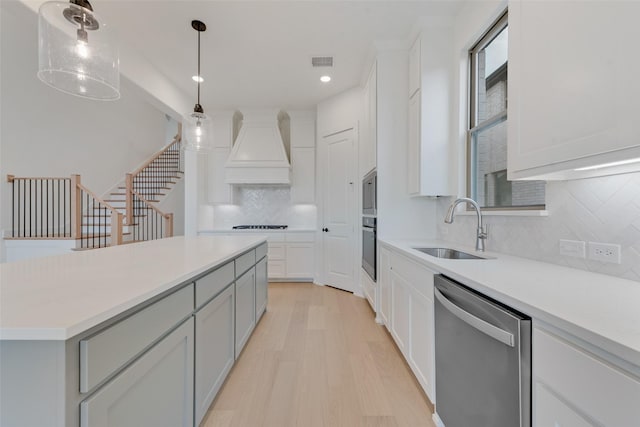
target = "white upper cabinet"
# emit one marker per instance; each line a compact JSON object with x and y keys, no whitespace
{"x":430,"y":71}
{"x":218,"y":191}
{"x":303,"y":156}
{"x":369,"y":130}
{"x":414,"y":68}
{"x":574,"y":88}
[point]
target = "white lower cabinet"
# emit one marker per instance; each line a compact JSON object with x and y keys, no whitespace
{"x":406,"y":308}
{"x":262,"y":286}
{"x":573,"y":387}
{"x":384,"y":287}
{"x":156,"y":390}
{"x":215,"y":349}
{"x":300,"y":260}
{"x":551,"y":411}
{"x":422,"y":350}
{"x":400,"y":305}
{"x":245,"y":308}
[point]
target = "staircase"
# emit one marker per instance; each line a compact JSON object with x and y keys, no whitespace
{"x":62,"y":208}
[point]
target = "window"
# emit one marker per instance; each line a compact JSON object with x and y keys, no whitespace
{"x":487,"y":136}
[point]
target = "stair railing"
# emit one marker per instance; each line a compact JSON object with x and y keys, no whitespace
{"x":42,"y":207}
{"x":152,"y":223}
{"x":55,"y":208}
{"x":154,"y":175}
{"x":103,"y":226}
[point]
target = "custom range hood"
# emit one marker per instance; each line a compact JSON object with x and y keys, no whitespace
{"x":258,"y":155}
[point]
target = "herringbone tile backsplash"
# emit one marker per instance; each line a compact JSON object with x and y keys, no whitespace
{"x":603,"y":210}
{"x":264,"y":204}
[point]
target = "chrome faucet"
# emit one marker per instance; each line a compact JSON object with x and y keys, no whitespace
{"x":481,"y":232}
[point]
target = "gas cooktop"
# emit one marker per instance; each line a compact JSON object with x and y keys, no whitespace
{"x":259,"y":227}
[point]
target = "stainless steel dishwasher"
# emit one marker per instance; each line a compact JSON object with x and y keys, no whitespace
{"x":483,"y":359}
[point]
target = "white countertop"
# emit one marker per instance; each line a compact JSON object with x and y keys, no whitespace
{"x":254,"y":231}
{"x":55,"y":298}
{"x":599,"y":309}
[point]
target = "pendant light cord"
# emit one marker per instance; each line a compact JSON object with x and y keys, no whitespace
{"x":199,"y":76}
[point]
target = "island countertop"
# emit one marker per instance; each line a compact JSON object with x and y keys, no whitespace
{"x":56,"y":298}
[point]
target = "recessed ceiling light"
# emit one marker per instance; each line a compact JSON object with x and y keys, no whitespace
{"x":325,"y":79}
{"x":197,"y":79}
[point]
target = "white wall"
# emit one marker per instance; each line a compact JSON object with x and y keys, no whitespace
{"x":399,"y":216}
{"x":340,"y":112}
{"x":45,"y":132}
{"x":598,"y":209}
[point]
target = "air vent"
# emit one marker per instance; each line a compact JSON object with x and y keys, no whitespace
{"x":322,"y":61}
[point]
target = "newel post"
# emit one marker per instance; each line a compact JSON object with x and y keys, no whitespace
{"x":76,"y":207}
{"x":169,"y":219}
{"x":129,"y":199}
{"x":116,"y":228}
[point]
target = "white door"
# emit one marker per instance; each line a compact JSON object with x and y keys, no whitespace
{"x":339,"y":238}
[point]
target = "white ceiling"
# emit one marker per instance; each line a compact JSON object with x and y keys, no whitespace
{"x":258,"y":53}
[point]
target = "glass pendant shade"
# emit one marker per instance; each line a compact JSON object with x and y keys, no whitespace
{"x":76,"y":52}
{"x":197,"y":132}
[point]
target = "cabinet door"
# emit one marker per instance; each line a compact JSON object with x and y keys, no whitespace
{"x":303,"y":174}
{"x":414,"y":68}
{"x":245,"y":308}
{"x":262,"y":287}
{"x":276,"y":269}
{"x":215,"y":348}
{"x":368,"y":155}
{"x":156,"y":390}
{"x":385,"y":288}
{"x":300,"y":260}
{"x":421,"y":350}
{"x":551,"y":411}
{"x":414,"y":150}
{"x":400,"y":301}
{"x":219,"y":192}
{"x":568,"y":106}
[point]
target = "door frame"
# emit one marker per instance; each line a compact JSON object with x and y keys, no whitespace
{"x":356,"y":250}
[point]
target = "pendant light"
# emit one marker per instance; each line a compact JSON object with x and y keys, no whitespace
{"x":196,"y":134}
{"x":75,"y":52}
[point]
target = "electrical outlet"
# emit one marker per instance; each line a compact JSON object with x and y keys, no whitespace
{"x":605,"y":252}
{"x":574,"y":248}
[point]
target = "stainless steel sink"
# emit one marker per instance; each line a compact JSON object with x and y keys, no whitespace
{"x":448,"y":253}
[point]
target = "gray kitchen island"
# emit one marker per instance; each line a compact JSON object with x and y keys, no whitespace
{"x":133,"y":335}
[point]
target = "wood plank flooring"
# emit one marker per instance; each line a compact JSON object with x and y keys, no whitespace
{"x":318,"y":359}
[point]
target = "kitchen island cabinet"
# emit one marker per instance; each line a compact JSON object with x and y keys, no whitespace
{"x":130,"y":335}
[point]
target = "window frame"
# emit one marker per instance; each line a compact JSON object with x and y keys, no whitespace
{"x":472,"y":126}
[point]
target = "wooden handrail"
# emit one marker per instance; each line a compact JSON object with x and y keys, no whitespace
{"x":176,"y":138}
{"x":148,"y":203}
{"x":11,"y":178}
{"x":92,"y":194}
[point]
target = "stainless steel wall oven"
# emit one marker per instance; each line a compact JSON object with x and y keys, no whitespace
{"x":369,"y":195}
{"x":369,"y":246}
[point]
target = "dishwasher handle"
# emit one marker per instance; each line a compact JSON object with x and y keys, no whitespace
{"x":479,"y":324}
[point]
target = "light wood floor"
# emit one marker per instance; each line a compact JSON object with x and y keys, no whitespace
{"x":317,"y":358}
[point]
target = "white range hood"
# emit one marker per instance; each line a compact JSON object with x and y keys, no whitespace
{"x":258,"y":155}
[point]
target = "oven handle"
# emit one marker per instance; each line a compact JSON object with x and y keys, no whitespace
{"x":479,"y":324}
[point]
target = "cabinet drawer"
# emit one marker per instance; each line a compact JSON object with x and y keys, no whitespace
{"x":585,"y":381}
{"x":210,"y":285}
{"x":245,"y":262}
{"x":301,"y":237}
{"x":261,"y":251}
{"x":418,"y":276}
{"x":156,"y":390}
{"x":276,"y":251}
{"x":105,"y":352}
